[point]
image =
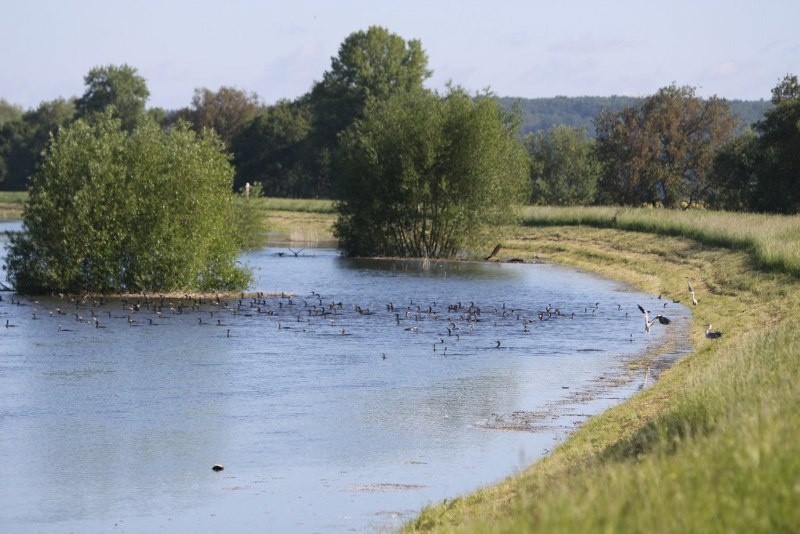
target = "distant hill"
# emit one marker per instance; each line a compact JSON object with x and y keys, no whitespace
{"x":544,"y":113}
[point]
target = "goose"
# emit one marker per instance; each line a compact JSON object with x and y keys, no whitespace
{"x":712,"y":334}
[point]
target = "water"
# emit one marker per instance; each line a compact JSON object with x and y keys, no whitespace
{"x":117,"y":427}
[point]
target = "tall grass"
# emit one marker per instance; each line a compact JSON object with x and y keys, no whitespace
{"x":773,"y":240}
{"x":304,"y":205}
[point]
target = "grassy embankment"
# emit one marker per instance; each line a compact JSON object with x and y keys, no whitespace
{"x":11,"y":204}
{"x":714,"y":445}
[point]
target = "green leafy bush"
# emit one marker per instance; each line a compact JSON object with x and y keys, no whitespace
{"x":110,"y":211}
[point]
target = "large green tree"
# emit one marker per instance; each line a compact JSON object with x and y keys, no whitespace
{"x":778,"y":163}
{"x":371,"y":65}
{"x":563,"y":168}
{"x":662,"y":151}
{"x":118,"y":86}
{"x":110,"y":211}
{"x":22,"y":141}
{"x":733,"y":177}
{"x":225,"y":111}
{"x":423,"y":175}
{"x":272,"y":149}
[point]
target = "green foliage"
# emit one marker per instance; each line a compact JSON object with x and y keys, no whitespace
{"x":542,"y":114}
{"x":23,"y":141}
{"x":423,"y":175}
{"x":371,"y":65}
{"x":110,"y":211}
{"x":563,"y":170}
{"x":225,"y":111}
{"x":120,"y":87}
{"x":9,"y":112}
{"x":661,"y":152}
{"x":273,"y":149}
{"x":778,"y":156}
{"x":733,"y":174}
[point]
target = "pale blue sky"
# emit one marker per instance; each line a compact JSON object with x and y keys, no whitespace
{"x":735,"y":49}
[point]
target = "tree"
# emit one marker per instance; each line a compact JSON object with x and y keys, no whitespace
{"x":563,"y":169}
{"x":662,"y":151}
{"x":371,"y":65}
{"x":23,"y":141}
{"x":778,"y":159}
{"x":422,"y":175}
{"x":225,"y":111}
{"x":118,"y":86}
{"x":9,"y":112}
{"x":272,"y":150}
{"x":109,"y":211}
{"x":733,"y":176}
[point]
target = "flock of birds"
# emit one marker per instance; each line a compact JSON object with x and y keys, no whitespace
{"x":288,"y":312}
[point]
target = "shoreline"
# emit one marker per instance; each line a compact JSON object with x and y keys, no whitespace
{"x":608,"y":459}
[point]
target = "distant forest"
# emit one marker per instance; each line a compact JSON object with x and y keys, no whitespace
{"x":541,"y":114}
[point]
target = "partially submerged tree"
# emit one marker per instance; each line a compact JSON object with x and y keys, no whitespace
{"x":110,"y":211}
{"x":422,"y":175}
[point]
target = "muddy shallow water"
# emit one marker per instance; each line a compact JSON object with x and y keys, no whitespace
{"x":375,"y":388}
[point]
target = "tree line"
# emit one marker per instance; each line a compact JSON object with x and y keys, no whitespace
{"x":129,"y":198}
{"x":670,"y":148}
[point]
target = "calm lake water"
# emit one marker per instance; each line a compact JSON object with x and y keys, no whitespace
{"x":376,"y":388}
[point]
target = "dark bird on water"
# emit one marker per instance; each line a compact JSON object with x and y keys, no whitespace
{"x":217,"y":467}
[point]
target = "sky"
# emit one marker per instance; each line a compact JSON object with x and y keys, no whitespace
{"x":733,"y":49}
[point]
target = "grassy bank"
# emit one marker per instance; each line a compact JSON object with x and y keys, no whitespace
{"x":299,"y":222}
{"x":712,"y":446}
{"x":11,"y":204}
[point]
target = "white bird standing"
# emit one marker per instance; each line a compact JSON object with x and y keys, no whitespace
{"x":691,"y":292}
{"x":650,"y":322}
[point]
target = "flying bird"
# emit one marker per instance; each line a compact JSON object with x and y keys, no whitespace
{"x":494,"y":252}
{"x":650,"y":322}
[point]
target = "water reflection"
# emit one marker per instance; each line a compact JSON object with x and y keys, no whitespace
{"x":121,"y":424}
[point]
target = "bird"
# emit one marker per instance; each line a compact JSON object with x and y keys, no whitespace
{"x":217,"y":467}
{"x":691,"y":292}
{"x":650,"y":322}
{"x":494,"y":252}
{"x":712,"y":334}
